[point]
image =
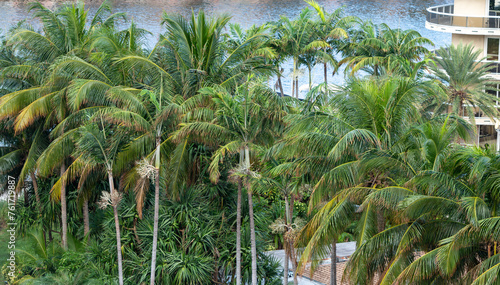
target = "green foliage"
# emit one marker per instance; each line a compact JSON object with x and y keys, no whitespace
{"x":377,"y":160}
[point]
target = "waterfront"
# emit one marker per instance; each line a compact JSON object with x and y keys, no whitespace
{"x":147,"y":14}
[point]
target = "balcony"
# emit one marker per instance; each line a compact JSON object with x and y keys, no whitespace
{"x":443,"y":19}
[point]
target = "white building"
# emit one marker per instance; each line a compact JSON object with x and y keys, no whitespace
{"x":475,"y":22}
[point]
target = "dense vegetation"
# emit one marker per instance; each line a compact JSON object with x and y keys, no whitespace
{"x":180,"y":165}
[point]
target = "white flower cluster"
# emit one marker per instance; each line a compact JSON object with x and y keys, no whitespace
{"x":145,"y":169}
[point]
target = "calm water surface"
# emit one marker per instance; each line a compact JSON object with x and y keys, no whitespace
{"x":406,"y":14}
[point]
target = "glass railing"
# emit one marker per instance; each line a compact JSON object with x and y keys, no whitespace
{"x":444,"y":15}
{"x":494,"y":67}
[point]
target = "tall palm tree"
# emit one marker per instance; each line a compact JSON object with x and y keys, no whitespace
{"x":200,"y":56}
{"x":240,"y":124}
{"x":153,"y":116}
{"x":64,"y":34}
{"x":464,"y":82}
{"x":93,"y":146}
{"x":368,"y":116}
{"x":330,"y":32}
{"x":294,"y":37}
{"x":379,"y":50}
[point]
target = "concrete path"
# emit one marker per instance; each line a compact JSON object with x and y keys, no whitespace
{"x":344,"y":249}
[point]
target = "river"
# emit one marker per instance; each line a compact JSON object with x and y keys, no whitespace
{"x":405,"y":14}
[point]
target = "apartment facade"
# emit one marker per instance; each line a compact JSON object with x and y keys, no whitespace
{"x":475,"y":22}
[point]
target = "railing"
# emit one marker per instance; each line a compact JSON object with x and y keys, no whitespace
{"x":444,"y":15}
{"x":495,"y":67}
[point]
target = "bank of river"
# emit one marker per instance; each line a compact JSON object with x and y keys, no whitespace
{"x":406,"y":14}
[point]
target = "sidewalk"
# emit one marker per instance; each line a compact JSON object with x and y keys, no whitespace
{"x":344,"y":249}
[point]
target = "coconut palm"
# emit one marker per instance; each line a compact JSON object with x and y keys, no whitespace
{"x":444,"y":229}
{"x":195,"y":53}
{"x":93,"y":146}
{"x":64,"y":34}
{"x":434,"y":146}
{"x":464,"y":82}
{"x":332,"y":145}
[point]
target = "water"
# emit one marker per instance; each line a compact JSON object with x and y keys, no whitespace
{"x":405,"y":14}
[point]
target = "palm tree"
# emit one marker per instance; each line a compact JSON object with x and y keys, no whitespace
{"x":95,"y":144}
{"x":333,"y":144}
{"x":330,"y":32}
{"x":380,"y":50}
{"x":240,"y":123}
{"x":284,"y":186}
{"x":463,"y":81}
{"x":201,"y":56}
{"x":152,"y":115}
{"x":64,"y":34}
{"x":293,"y":37}
{"x":92,"y":146}
{"x":442,"y":213}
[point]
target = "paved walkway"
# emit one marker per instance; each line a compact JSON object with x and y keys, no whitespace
{"x":344,"y":249}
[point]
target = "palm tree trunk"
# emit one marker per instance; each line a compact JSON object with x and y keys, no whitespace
{"x":285,"y":266}
{"x":325,"y":74}
{"x":26,"y":198}
{"x":117,"y":229}
{"x":37,"y":196}
{"x":294,"y":264}
{"x":86,"y":221}
{"x":238,"y":234}
{"x":333,"y":265}
{"x":157,"y":210}
{"x":285,"y":243}
{"x":310,"y":78}
{"x":253,"y":244}
{"x":291,"y":243}
{"x":280,"y":84}
{"x":64,"y":210}
{"x":252,"y":238}
{"x":294,"y":76}
{"x":297,"y":86}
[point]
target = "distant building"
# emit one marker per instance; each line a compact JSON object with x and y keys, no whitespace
{"x":475,"y":22}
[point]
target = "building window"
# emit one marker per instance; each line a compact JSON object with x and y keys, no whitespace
{"x":492,"y":49}
{"x":487,"y":136}
{"x":494,"y":5}
{"x":494,"y":90}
